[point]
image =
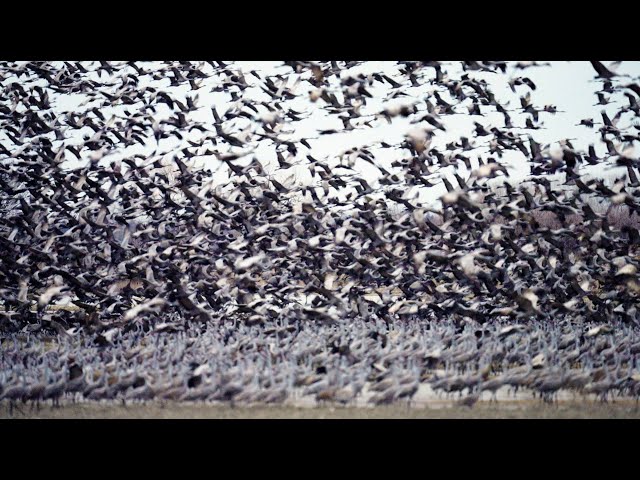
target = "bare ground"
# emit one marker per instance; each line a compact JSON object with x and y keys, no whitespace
{"x":502,"y":410}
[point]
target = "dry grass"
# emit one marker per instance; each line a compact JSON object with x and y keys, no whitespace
{"x":486,"y":410}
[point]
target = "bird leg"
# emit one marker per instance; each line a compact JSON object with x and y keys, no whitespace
{"x":14,"y":405}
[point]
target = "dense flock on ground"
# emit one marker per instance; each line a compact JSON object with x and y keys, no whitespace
{"x":172,"y":234}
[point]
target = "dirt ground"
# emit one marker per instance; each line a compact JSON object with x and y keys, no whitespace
{"x":486,"y":410}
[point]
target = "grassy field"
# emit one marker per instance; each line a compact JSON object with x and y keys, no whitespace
{"x":486,"y":410}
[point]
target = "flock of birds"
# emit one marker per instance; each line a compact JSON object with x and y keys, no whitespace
{"x":351,"y":363}
{"x":138,"y":276}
